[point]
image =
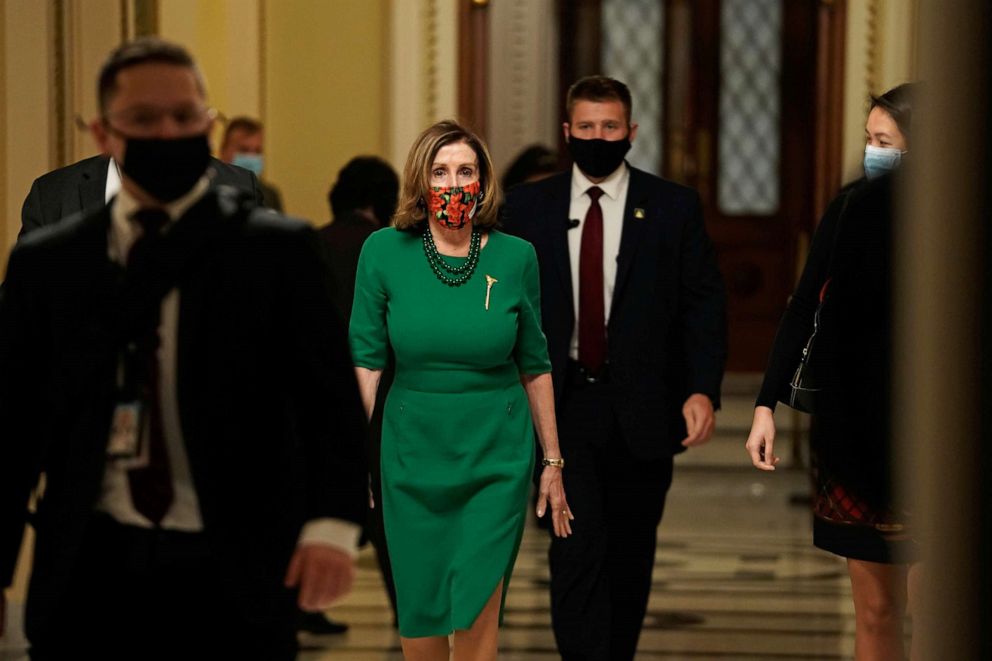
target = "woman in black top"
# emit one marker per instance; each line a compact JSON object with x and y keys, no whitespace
{"x":855,"y":513}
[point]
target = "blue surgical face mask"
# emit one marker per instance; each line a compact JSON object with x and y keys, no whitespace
{"x":879,"y":160}
{"x":251,"y":162}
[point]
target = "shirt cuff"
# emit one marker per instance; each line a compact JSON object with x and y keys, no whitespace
{"x":342,"y":535}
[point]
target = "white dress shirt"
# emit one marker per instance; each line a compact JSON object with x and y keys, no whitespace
{"x":184,"y":512}
{"x":612,"y":203}
{"x":113,"y":181}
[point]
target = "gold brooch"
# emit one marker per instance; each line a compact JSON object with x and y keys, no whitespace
{"x":490,"y":281}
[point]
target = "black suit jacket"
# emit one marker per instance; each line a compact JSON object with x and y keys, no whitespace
{"x":343,"y":240}
{"x":81,"y":187}
{"x":271,"y":417}
{"x":667,"y":325}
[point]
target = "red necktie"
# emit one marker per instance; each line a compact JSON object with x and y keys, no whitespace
{"x":151,"y":485}
{"x":592,"y":315}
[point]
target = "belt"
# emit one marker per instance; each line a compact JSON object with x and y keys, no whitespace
{"x":577,"y":375}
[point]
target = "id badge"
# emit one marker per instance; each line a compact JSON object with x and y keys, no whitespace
{"x":125,"y":431}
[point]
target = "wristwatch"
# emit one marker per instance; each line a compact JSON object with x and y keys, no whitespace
{"x":558,"y":463}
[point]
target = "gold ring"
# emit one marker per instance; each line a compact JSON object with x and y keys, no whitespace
{"x":564,"y":511}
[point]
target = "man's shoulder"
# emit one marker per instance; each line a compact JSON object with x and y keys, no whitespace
{"x":88,"y":168}
{"x":63,"y":237}
{"x":231,"y":175}
{"x":645,"y":181}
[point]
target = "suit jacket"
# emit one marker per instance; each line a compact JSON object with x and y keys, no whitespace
{"x":81,"y":187}
{"x":667,"y":326}
{"x":271,"y":418}
{"x":343,"y":240}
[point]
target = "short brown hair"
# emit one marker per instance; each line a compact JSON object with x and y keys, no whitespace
{"x":598,"y":89}
{"x":249,"y":125}
{"x":416,"y":175}
{"x":142,"y":51}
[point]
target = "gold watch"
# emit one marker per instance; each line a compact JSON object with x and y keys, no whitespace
{"x":558,"y":463}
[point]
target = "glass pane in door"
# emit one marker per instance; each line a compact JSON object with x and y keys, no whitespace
{"x":750,"y":105}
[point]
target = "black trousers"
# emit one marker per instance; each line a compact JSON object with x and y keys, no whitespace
{"x":601,"y":574}
{"x":145,"y":594}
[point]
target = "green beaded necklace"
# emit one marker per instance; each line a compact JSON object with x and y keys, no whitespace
{"x":453,"y":276}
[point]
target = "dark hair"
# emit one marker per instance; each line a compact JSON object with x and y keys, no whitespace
{"x":247,"y":124}
{"x":533,"y":161}
{"x":142,"y":51}
{"x":898,"y":102}
{"x":365,"y":181}
{"x":598,"y":88}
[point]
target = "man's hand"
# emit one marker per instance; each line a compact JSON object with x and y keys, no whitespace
{"x":699,"y":419}
{"x":322,"y":572}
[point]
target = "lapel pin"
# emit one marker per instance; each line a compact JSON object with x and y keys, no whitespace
{"x":490,"y":281}
{"x":639,"y":213}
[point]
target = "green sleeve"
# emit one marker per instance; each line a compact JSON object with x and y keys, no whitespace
{"x":531,"y":352}
{"x":367,"y":332}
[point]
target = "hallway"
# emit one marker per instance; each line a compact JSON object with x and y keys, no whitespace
{"x":736,"y":574}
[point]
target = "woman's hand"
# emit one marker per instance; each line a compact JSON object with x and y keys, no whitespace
{"x":761,"y":440}
{"x":552,"y":494}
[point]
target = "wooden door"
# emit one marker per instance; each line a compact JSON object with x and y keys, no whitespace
{"x":750,"y":95}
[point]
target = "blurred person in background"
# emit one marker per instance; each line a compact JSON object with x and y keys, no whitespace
{"x":532,"y":164}
{"x":244,"y":146}
{"x":362,"y":200}
{"x":846,"y":286}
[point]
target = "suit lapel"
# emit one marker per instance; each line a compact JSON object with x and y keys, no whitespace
{"x":557,"y":220}
{"x":636,"y":215}
{"x":93,"y":187}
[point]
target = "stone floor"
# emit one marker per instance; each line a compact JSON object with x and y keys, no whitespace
{"x":736,"y":575}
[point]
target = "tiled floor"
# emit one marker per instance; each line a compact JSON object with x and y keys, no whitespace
{"x":736,"y":576}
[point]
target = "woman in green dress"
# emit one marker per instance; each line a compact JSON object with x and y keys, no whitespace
{"x":458,"y":302}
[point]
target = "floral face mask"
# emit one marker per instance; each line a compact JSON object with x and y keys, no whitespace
{"x":454,"y":206}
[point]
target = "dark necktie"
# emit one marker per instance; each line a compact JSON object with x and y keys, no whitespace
{"x":151,"y":486}
{"x":592,"y":315}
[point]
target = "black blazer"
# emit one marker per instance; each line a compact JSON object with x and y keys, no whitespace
{"x":667,"y":325}
{"x":81,"y":187}
{"x":343,"y":240}
{"x":270,"y":412}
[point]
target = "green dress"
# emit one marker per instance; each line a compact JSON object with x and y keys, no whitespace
{"x":457,"y":435}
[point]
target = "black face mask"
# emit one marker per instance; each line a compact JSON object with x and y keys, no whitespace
{"x":598,"y":158}
{"x":166,"y":169}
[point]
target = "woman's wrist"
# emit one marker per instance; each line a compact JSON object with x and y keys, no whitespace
{"x":556,"y":462}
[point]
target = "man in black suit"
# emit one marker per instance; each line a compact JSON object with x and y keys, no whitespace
{"x":87,"y":185}
{"x":362,"y":200}
{"x":634,"y":311}
{"x":174,"y":365}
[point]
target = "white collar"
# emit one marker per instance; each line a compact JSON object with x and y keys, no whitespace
{"x":611,"y":186}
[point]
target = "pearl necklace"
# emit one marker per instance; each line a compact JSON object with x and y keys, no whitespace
{"x":453,"y":276}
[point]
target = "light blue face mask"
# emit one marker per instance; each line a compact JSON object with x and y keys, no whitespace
{"x":879,"y":160}
{"x":251,"y":162}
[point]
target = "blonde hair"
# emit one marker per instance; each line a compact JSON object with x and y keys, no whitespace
{"x":411,"y":210}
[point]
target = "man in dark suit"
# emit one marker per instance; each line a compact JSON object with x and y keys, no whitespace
{"x":362,"y":200}
{"x":633,"y":308}
{"x":87,"y":185}
{"x":174,"y":365}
